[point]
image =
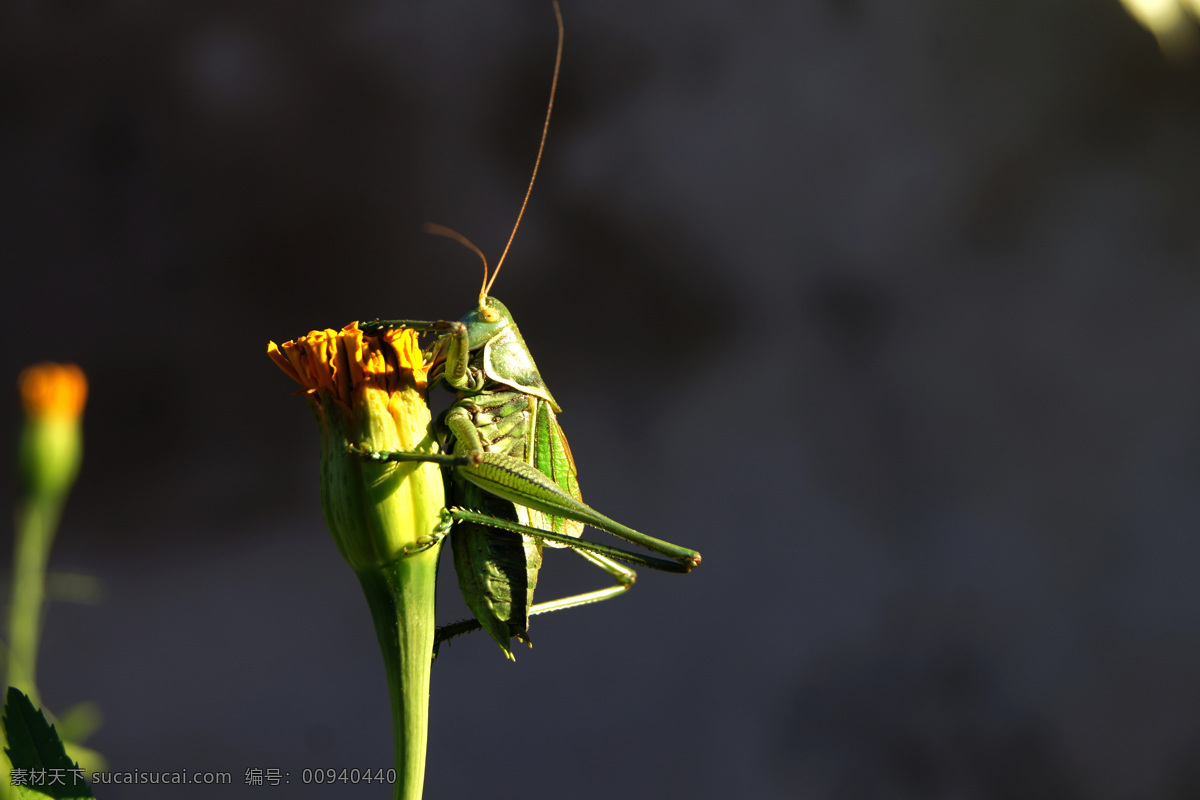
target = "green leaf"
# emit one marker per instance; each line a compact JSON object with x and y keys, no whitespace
{"x":40,"y":766}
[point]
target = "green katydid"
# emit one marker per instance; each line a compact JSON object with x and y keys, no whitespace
{"x":513,"y":484}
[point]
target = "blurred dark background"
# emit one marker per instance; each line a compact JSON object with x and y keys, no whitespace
{"x":890,"y":309}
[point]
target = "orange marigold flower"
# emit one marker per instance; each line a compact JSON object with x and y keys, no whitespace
{"x":339,"y":362}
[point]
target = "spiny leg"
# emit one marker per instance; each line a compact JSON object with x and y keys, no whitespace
{"x":624,"y":576}
{"x":387,"y":456}
{"x":452,"y":631}
{"x":441,"y":326}
{"x":661,"y":564}
{"x":455,"y":339}
{"x":514,"y":480}
{"x":465,"y":455}
{"x":684,"y":563}
{"x":520,"y":483}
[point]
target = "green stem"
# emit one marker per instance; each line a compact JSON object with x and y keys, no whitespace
{"x":402,"y":596}
{"x":36,"y":522}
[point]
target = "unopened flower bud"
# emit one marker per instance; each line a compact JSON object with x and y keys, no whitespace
{"x":367,"y":392}
{"x":51,"y":445}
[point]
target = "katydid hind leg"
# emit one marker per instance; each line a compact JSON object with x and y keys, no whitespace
{"x":520,"y":483}
{"x":523,"y":484}
{"x":627,"y":556}
{"x":624,"y":577}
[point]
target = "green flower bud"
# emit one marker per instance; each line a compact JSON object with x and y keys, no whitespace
{"x":368,"y":392}
{"x":51,"y":443}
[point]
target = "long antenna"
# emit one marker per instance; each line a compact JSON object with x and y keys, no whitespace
{"x":450,"y":233}
{"x":546,"y":127}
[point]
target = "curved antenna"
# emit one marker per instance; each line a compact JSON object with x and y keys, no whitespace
{"x":487,"y":287}
{"x":450,"y":233}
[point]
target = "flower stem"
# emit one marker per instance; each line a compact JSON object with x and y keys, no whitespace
{"x":401,"y":596}
{"x":36,"y":522}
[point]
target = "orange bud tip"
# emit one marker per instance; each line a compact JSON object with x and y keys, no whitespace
{"x":53,"y":390}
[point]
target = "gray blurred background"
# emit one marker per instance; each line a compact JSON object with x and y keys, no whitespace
{"x":890,"y":309}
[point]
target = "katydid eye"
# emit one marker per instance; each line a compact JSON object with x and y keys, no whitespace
{"x":489,"y":314}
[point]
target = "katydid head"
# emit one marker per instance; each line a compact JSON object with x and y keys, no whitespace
{"x":498,"y":351}
{"x":485,"y":321}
